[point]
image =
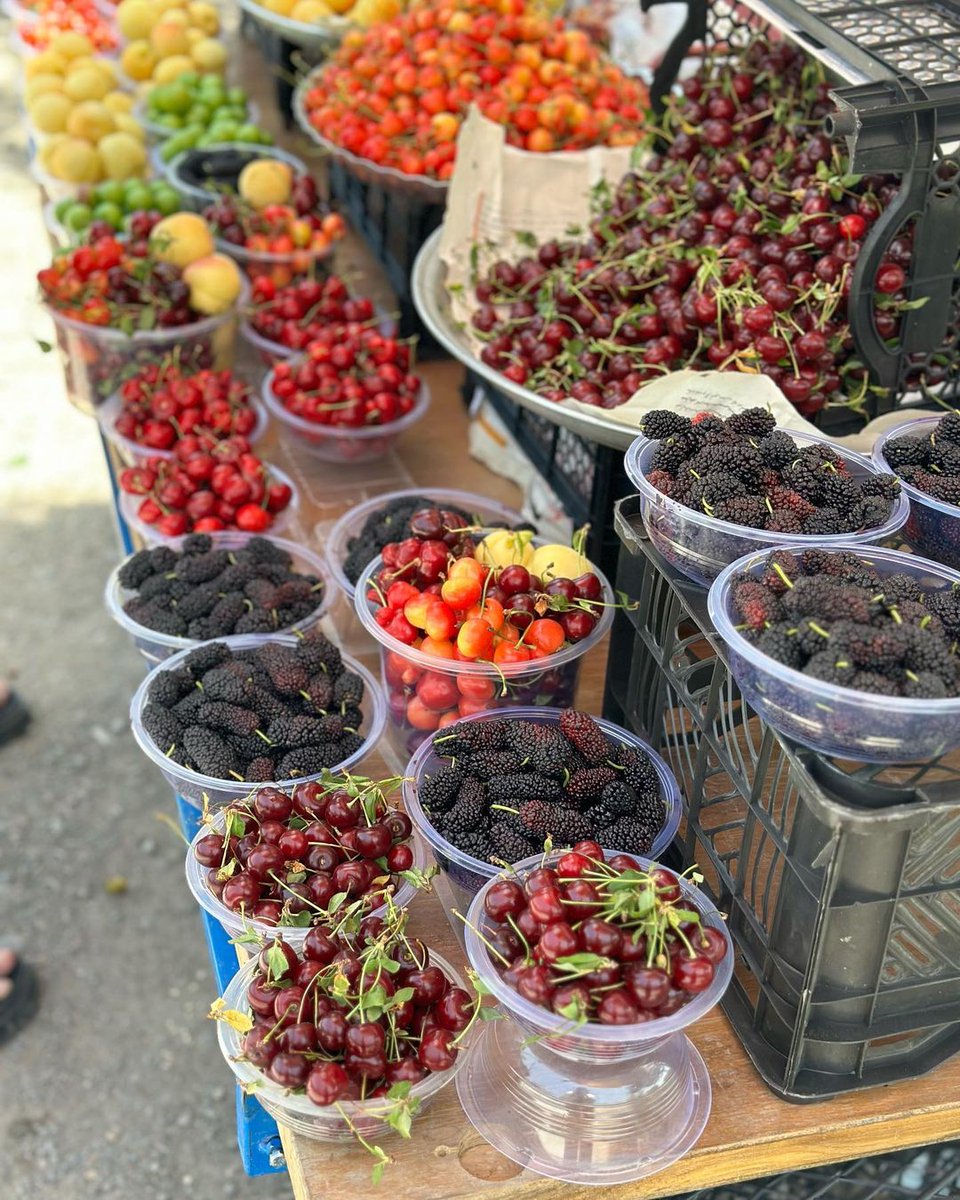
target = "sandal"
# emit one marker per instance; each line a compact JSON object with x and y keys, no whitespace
{"x":14,"y":718}
{"x":19,"y":1008}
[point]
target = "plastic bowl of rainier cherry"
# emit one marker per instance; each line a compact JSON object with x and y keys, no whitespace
{"x":352,"y":1036}
{"x":289,"y":852}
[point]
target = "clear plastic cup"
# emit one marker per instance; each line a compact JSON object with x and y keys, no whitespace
{"x":130,"y":503}
{"x":298,"y":1112}
{"x":549,"y":681}
{"x":701,"y":546}
{"x":933,"y":528}
{"x":196,"y":197}
{"x":96,"y":358}
{"x":193,"y":786}
{"x":590,"y":1104}
{"x":465,"y":874}
{"x":133,"y":452}
{"x":342,"y":443}
{"x":832,"y":719}
{"x":155,"y":646}
{"x":237,"y":926}
{"x":489,"y":513}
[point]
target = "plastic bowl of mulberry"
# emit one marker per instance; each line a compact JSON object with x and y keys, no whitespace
{"x":701,"y":546}
{"x":156,"y":645}
{"x":467,"y":874}
{"x":196,"y":787}
{"x":830,"y":718}
{"x":933,"y":528}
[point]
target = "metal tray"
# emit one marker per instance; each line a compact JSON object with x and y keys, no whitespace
{"x":430,"y":191}
{"x":324,"y":35}
{"x":430,"y":297}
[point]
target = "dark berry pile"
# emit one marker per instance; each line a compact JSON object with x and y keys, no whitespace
{"x":930,"y":462}
{"x":600,"y":941}
{"x":280,"y":858}
{"x":832,"y":616}
{"x":508,"y":785}
{"x":273,"y":713}
{"x":746,"y":471}
{"x":201,"y":593}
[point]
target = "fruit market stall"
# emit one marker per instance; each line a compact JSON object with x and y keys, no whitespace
{"x":738,"y":888}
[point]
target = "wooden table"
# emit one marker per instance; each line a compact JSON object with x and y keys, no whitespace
{"x":750,"y":1133}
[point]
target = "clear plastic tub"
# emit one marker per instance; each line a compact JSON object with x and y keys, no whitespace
{"x":465,"y":874}
{"x":549,"y":681}
{"x":298,"y":1112}
{"x":237,"y":926}
{"x":133,"y":452}
{"x":489,"y":513}
{"x":590,"y":1104}
{"x":197,"y":198}
{"x":832,"y":719}
{"x":701,"y":546}
{"x":933,"y":528}
{"x":130,"y":503}
{"x":96,"y":358}
{"x":342,"y":443}
{"x":155,"y":647}
{"x":193,"y":786}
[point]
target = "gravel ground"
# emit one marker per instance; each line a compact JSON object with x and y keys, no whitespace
{"x":117,"y":1089}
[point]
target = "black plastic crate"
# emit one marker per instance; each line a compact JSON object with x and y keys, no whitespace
{"x":394,"y":224}
{"x":841,"y":880}
{"x":587,"y":478}
{"x":928,"y":1174}
{"x":897,"y":67}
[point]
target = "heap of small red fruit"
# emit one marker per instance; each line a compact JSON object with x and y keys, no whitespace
{"x":397,"y":92}
{"x":59,"y":16}
{"x":204,"y":489}
{"x":350,"y":379}
{"x":302,"y":224}
{"x":164,"y":402}
{"x":118,"y":283}
{"x":303,"y":312}
{"x":607,"y":942}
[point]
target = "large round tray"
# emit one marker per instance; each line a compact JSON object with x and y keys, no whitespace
{"x":315,"y":36}
{"x":430,"y":191}
{"x":433,"y":305}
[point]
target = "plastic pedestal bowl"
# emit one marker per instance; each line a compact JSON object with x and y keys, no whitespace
{"x":489,"y":513}
{"x":193,"y":786}
{"x":130,"y":503}
{"x":298,"y":1112}
{"x":236,"y":925}
{"x":590,"y":1104}
{"x":549,"y":681}
{"x":837,"y":720}
{"x":465,"y":874}
{"x":342,"y":443}
{"x":96,"y":359}
{"x":701,"y":546}
{"x":155,"y":646}
{"x":133,"y":452}
{"x":933,"y":528}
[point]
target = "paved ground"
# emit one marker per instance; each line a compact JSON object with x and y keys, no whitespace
{"x":117,"y":1091}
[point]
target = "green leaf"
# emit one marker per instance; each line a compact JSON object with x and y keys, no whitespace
{"x":236,"y":826}
{"x":296,"y":876}
{"x":337,"y":902}
{"x":401,"y":996}
{"x":44,"y":347}
{"x":277,"y":965}
{"x":583,"y":961}
{"x":525,"y":238}
{"x":909,"y":305}
{"x":147,"y":319}
{"x":376,"y":1172}
{"x":300,"y":920}
{"x":399,"y":1090}
{"x":489,"y":1013}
